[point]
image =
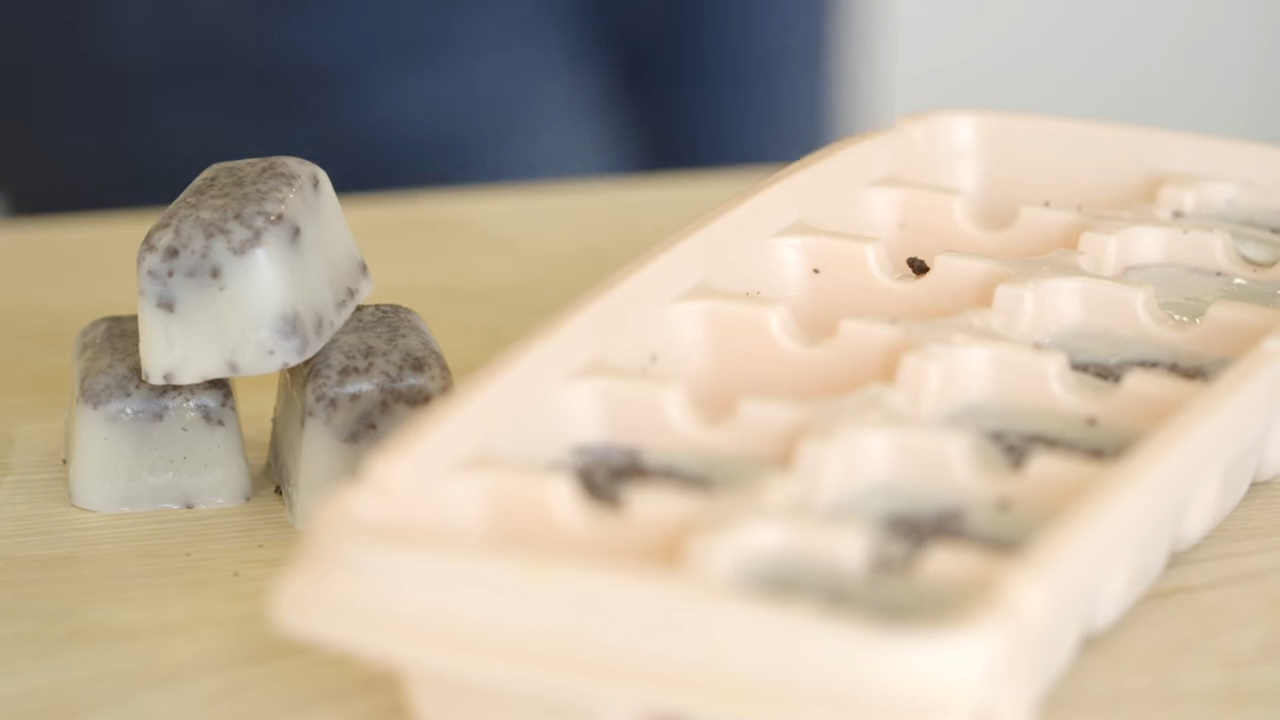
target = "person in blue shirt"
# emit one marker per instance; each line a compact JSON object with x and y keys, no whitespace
{"x":122,"y":102}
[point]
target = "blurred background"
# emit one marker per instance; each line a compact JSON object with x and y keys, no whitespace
{"x":110,"y":103}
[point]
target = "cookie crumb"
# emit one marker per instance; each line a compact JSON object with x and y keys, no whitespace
{"x":1114,"y":371}
{"x":918,"y":266}
{"x":603,"y":470}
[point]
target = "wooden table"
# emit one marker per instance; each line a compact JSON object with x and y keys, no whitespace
{"x":157,"y":615}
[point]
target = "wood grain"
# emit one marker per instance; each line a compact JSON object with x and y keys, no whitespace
{"x":158,"y":615}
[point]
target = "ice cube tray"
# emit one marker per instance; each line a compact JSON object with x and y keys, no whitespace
{"x":776,"y":470}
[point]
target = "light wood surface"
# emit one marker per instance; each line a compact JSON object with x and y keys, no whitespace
{"x":158,"y":615}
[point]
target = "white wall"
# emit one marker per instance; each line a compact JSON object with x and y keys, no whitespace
{"x":1195,"y":65}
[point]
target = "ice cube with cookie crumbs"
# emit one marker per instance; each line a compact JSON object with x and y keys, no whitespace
{"x":380,"y":367}
{"x":132,"y":445}
{"x":251,"y":270}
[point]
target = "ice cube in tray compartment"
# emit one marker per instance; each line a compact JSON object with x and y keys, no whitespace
{"x":1111,"y":250}
{"x":1249,"y":213}
{"x":1188,"y":294}
{"x":880,"y":474}
{"x":851,"y":466}
{"x":1025,"y":401}
{"x":597,"y":501}
{"x":1110,"y":328}
{"x":1110,"y":357}
{"x":905,"y":567}
{"x":941,"y":379}
{"x":1019,"y":433}
{"x":889,"y":545}
{"x":1188,"y":269}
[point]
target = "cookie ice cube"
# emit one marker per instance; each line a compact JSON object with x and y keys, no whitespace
{"x":251,"y":270}
{"x":381,"y":366}
{"x":132,"y":445}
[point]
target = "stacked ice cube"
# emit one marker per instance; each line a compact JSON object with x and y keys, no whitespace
{"x":253,"y":269}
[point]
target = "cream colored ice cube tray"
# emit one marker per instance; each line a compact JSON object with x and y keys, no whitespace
{"x":773,"y":471}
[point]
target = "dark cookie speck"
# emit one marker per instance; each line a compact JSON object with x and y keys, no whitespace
{"x":604,"y":470}
{"x":1113,"y":372}
{"x":908,"y":533}
{"x":917,"y":266}
{"x":1017,"y":446}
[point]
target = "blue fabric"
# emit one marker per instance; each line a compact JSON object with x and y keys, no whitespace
{"x":114,"y":102}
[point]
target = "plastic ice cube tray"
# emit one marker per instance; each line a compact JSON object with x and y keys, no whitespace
{"x":778,"y":470}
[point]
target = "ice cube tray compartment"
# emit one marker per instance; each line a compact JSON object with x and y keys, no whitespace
{"x":620,"y":409}
{"x":826,"y":276}
{"x":545,"y":509}
{"x":1110,"y":329}
{"x":957,"y":475}
{"x":1112,"y":251}
{"x":1255,"y":203}
{"x":924,"y":222}
{"x":1040,"y":309}
{"x":784,"y":362}
{"x":937,"y":380}
{"x":919,"y":566}
{"x":849,"y":465}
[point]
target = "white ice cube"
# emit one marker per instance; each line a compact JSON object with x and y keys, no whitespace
{"x":381,"y":366}
{"x":132,"y":445}
{"x":251,"y":270}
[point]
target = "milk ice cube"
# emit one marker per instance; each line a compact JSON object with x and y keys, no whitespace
{"x":381,"y":366}
{"x":132,"y":445}
{"x":251,"y":270}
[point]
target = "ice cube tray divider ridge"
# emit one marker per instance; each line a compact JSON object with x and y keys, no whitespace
{"x":787,"y":334}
